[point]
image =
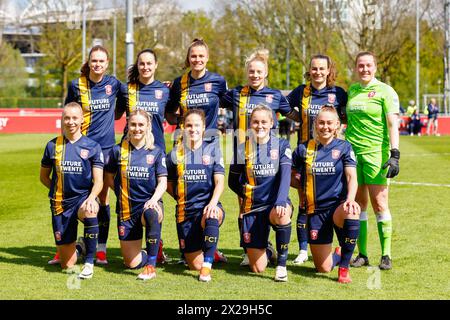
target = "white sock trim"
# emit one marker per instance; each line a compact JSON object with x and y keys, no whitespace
{"x":363,"y":216}
{"x":383,"y":216}
{"x":207,"y":265}
{"x":101,"y":247}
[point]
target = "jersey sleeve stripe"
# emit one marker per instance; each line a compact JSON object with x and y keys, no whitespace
{"x":310,"y":181}
{"x":242,"y":114}
{"x":181,"y":185}
{"x":251,"y":181}
{"x":83,"y":84}
{"x":125,"y":158}
{"x":306,"y":101}
{"x":60,"y":149}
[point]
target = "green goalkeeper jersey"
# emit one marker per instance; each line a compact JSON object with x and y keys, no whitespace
{"x":367,"y":110}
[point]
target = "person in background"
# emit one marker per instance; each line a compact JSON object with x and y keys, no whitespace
{"x":433,"y":112}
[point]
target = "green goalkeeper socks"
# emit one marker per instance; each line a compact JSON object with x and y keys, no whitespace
{"x":362,"y":239}
{"x":384,"y":223}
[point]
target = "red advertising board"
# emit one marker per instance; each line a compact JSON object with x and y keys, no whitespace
{"x":44,"y":121}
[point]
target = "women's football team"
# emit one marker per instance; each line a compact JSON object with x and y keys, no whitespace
{"x":334,"y":177}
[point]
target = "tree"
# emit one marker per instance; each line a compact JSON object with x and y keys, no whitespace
{"x":12,"y":72}
{"x":60,"y":40}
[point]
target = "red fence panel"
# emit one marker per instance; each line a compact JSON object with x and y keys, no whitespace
{"x":44,"y":121}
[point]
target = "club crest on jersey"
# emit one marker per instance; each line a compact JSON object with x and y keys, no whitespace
{"x":58,"y":236}
{"x":84,"y":153}
{"x":313,"y":234}
{"x":208,"y":87}
{"x":274,"y":154}
{"x":108,"y":89}
{"x":371,"y":94}
{"x":150,"y":159}
{"x":331,"y":97}
{"x":269,"y":98}
{"x":335,"y":154}
{"x":182,"y":245}
{"x":247,"y":237}
{"x":158,"y":94}
{"x":206,"y":160}
{"x":122,"y":231}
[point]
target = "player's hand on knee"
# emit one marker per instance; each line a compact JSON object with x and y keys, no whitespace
{"x":281,"y":211}
{"x":393,"y":164}
{"x":211,"y":211}
{"x":351,"y":207}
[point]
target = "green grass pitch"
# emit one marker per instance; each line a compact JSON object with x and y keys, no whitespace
{"x":421,"y":220}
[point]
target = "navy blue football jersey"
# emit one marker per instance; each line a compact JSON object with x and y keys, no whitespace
{"x":136,"y":175}
{"x":204,"y":93}
{"x":193,"y":173}
{"x":152,"y":98}
{"x":72,"y":165}
{"x":322,"y":172}
{"x":309,"y":100}
{"x":98,"y":101}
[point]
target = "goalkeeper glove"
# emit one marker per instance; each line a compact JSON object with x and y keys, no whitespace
{"x":393,"y":164}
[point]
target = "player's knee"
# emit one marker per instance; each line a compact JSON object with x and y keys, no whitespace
{"x":323,"y":269}
{"x":257,"y":268}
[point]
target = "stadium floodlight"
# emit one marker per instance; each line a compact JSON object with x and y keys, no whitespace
{"x":129,"y":35}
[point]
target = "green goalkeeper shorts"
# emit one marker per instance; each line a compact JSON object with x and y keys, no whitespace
{"x":369,"y":168}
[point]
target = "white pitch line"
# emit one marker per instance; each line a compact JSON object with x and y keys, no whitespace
{"x":426,"y":154}
{"x":421,"y":184}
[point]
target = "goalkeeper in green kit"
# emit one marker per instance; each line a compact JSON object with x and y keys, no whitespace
{"x":372,"y":129}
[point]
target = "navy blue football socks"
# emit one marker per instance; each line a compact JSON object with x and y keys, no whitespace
{"x":302,"y":231}
{"x":211,"y":237}
{"x":104,"y":217}
{"x":90,"y":238}
{"x":350,"y":233}
{"x":152,"y":235}
{"x":282,"y":237}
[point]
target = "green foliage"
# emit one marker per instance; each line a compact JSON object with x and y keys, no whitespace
{"x":13,"y":76}
{"x":305,"y":27}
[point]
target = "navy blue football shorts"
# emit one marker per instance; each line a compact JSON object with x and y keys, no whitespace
{"x":190,"y":232}
{"x":132,"y":229}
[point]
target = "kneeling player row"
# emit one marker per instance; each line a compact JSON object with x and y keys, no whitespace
{"x":323,"y":170}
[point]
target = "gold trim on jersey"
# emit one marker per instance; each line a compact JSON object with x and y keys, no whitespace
{"x":85,"y":95}
{"x":251,"y":181}
{"x":184,"y":92}
{"x":133,"y":92}
{"x":306,"y":101}
{"x":181,"y":184}
{"x":58,"y":197}
{"x":244,"y":97}
{"x":125,"y":159}
{"x":310,"y":190}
